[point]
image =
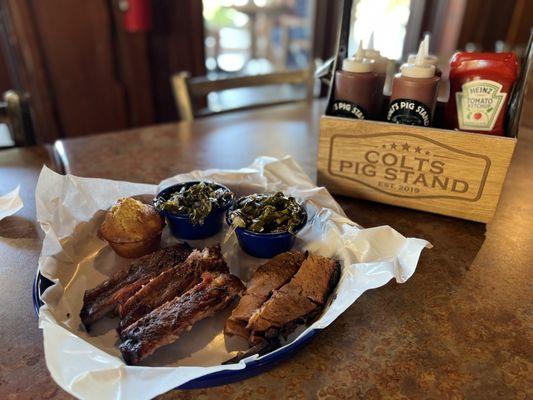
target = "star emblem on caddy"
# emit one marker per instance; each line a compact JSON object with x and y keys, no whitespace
{"x":418,"y":149}
{"x":405,"y":147}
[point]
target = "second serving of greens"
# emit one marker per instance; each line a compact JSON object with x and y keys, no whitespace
{"x":267,"y":213}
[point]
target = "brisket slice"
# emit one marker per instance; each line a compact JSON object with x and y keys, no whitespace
{"x":104,"y":298}
{"x":171,"y":283}
{"x":299,"y":301}
{"x":285,"y":306}
{"x":166,"y":323}
{"x":317,"y":277}
{"x":268,"y":277}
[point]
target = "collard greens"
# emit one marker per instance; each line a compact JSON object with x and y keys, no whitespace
{"x":196,"y":200}
{"x":268,"y":213}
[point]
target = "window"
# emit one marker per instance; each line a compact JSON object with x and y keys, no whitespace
{"x":257,"y":36}
{"x":386,"y":19}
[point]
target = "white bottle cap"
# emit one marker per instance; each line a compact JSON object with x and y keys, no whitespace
{"x":429,"y":58}
{"x":358,"y":63}
{"x":381,"y":64}
{"x":419,"y":69}
{"x":371,"y":53}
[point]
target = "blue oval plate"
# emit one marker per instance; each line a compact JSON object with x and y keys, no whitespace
{"x":255,"y":367}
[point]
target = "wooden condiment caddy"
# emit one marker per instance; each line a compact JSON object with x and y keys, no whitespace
{"x":447,"y":172}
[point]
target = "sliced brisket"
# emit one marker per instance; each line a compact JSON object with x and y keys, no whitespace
{"x":298,"y":301}
{"x":267,"y":278}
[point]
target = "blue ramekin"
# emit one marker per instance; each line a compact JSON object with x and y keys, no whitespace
{"x":180,"y":224}
{"x":266,"y":245}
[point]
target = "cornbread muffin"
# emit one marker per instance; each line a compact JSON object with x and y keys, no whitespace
{"x":132,"y":228}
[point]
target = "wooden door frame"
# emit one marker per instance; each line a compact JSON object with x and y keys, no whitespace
{"x":21,"y":48}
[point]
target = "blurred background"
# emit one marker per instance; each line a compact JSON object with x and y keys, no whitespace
{"x":105,"y":65}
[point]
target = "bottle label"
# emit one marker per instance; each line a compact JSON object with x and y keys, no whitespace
{"x":346,"y":109}
{"x":479,"y":104}
{"x":409,"y":112}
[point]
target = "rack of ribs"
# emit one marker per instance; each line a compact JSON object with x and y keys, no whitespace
{"x":105,"y":298}
{"x":171,"y":283}
{"x":268,"y":277}
{"x":165,"y":324}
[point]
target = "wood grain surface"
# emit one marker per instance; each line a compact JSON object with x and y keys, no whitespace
{"x":27,"y":67}
{"x":90,"y":97}
{"x":452,"y":173}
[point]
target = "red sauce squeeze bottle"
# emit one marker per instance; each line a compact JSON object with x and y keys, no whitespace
{"x":414,"y":92}
{"x":480,"y":87}
{"x":381,"y":64}
{"x":355,"y":88}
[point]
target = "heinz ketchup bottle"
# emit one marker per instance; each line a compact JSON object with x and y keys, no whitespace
{"x":480,"y":88}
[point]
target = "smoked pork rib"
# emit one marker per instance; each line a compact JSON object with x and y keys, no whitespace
{"x":166,"y":323}
{"x":171,"y":283}
{"x":296,"y":302}
{"x":104,"y":298}
{"x":268,"y":277}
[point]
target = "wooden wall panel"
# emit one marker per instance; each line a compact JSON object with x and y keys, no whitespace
{"x":176,"y":44}
{"x":133,"y":63}
{"x":326,"y":27}
{"x":5,"y":79}
{"x":485,"y":22}
{"x":77,"y":44}
{"x":27,"y":70}
{"x":521,"y":23}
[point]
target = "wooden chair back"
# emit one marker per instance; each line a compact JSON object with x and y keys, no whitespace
{"x":187,"y":89}
{"x":16,"y":114}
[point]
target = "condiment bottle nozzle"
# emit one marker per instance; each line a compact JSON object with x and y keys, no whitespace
{"x":419,"y":69}
{"x":358,"y":63}
{"x":371,"y":42}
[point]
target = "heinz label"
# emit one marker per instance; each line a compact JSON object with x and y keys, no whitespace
{"x":479,"y":104}
{"x":408,"y":165}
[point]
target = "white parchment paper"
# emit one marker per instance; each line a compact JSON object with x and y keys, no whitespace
{"x":70,"y":210}
{"x":10,"y":203}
